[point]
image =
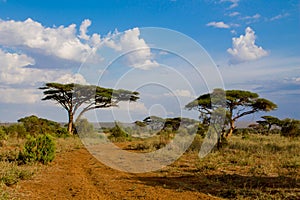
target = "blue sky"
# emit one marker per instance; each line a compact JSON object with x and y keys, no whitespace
{"x":254,"y":44}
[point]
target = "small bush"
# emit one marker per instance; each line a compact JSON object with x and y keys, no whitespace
{"x":290,"y":128}
{"x":16,"y":130}
{"x":83,"y":127}
{"x":196,"y":144}
{"x":11,"y":173}
{"x":3,"y":136}
{"x":40,"y":149}
{"x":9,"y":155}
{"x":118,"y":135}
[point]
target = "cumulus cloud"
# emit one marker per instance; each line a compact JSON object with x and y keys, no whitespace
{"x":16,"y":95}
{"x":138,"y":53}
{"x":244,"y":48}
{"x":71,"y":78}
{"x":58,"y":41}
{"x":181,"y":93}
{"x":12,"y":65}
{"x":83,"y":29}
{"x":137,"y":107}
{"x":19,"y":82}
{"x":64,"y":42}
{"x":218,"y":24}
{"x":14,"y":70}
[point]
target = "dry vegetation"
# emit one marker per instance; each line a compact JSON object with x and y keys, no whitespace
{"x":249,"y":167}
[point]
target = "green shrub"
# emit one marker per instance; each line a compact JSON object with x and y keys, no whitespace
{"x":196,"y":144}
{"x":11,"y":173}
{"x":16,"y":130}
{"x":290,"y":128}
{"x":36,"y":126}
{"x":40,"y":149}
{"x":62,"y":132}
{"x":83,"y":127}
{"x":3,"y":135}
{"x":117,"y":134}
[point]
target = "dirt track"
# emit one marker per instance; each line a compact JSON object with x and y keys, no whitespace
{"x":78,"y":175}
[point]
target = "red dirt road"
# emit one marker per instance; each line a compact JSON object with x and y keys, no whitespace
{"x":78,"y":175}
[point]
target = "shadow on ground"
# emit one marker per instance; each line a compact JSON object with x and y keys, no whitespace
{"x":230,"y":185}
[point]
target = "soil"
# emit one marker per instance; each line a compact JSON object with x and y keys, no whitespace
{"x":77,"y":174}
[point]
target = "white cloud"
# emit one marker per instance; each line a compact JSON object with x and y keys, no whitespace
{"x":13,"y":95}
{"x":136,"y":107}
{"x":71,"y":78}
{"x":280,"y":16}
{"x":13,"y":60}
{"x":180,"y":93}
{"x":297,"y":80}
{"x":234,"y":3}
{"x":12,"y":65}
{"x":18,"y":70}
{"x":233,"y":32}
{"x":233,"y":14}
{"x":256,"y":16}
{"x":218,"y":25}
{"x":64,"y":42}
{"x":244,"y":48}
{"x":83,"y":29}
{"x":138,"y":53}
{"x":251,"y":19}
{"x":61,"y":41}
{"x":14,"y":71}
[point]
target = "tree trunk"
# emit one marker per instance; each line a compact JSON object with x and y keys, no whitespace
{"x":269,"y":129}
{"x":70,"y":123}
{"x":229,"y":134}
{"x":221,"y":138}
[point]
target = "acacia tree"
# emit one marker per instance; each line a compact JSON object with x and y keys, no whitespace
{"x":88,"y":97}
{"x":269,"y":121}
{"x":239,"y":103}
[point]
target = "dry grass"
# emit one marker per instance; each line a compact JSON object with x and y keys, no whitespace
{"x":256,"y":167}
{"x":68,"y":144}
{"x":10,"y":170}
{"x":249,"y":167}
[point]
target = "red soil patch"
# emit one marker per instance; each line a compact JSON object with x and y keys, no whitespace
{"x":78,"y":175}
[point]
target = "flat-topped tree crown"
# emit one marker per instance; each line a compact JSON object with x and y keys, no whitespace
{"x":239,"y":103}
{"x":73,"y":96}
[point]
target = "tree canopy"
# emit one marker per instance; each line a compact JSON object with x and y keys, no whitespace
{"x":87,"y":97}
{"x":238,"y":103}
{"x":269,"y":121}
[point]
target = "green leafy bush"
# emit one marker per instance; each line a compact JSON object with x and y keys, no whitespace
{"x":40,"y":149}
{"x":117,"y":134}
{"x":36,"y":126}
{"x":3,"y":135}
{"x":290,"y":128}
{"x":11,"y":173}
{"x":16,"y":130}
{"x":196,"y":144}
{"x":83,"y":127}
